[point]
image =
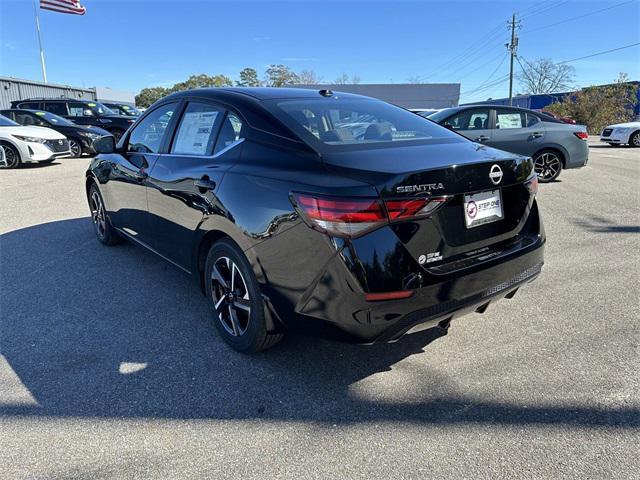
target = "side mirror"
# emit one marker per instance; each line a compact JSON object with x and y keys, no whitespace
{"x":105,"y":145}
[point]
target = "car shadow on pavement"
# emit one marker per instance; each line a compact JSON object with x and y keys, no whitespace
{"x":92,"y":331}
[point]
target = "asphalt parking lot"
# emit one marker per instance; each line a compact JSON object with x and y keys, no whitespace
{"x":110,"y":367}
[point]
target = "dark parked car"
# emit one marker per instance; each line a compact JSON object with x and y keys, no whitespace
{"x":81,"y":112}
{"x":552,"y":144}
{"x":123,"y":109}
{"x":289,"y":218}
{"x":80,"y":138}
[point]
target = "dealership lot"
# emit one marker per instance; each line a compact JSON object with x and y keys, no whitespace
{"x":109,"y":365}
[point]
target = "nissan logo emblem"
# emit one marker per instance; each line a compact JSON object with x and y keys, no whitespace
{"x":495,"y":174}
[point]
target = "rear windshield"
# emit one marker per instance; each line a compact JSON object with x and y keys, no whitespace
{"x":357,"y":122}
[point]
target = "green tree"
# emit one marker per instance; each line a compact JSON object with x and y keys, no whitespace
{"x":203,"y":80}
{"x":280,"y":76}
{"x":148,"y":96}
{"x":597,"y":107}
{"x":248,"y":78}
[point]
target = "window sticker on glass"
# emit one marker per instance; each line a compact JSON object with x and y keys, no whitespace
{"x":509,"y":120}
{"x":91,"y":104}
{"x":42,"y":114}
{"x":194,"y":133}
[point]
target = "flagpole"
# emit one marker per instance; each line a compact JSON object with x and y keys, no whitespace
{"x":44,"y":69}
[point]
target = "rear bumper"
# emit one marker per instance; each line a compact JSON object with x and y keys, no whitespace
{"x":578,"y":154}
{"x":447,"y":296}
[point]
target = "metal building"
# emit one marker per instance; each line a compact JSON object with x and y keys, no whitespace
{"x":407,"y":95}
{"x":17,"y":89}
{"x":12,"y":89}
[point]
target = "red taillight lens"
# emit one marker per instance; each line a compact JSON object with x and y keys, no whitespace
{"x":341,"y":216}
{"x":581,"y":135}
{"x":413,"y":207}
{"x":532,"y":185}
{"x":354,"y":216}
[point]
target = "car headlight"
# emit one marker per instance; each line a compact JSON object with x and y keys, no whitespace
{"x":31,"y":139}
{"x":90,"y":136}
{"x":622,"y":130}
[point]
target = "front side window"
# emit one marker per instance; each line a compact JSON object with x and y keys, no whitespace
{"x":509,"y":119}
{"x":197,"y":129}
{"x":57,"y":108}
{"x":469,"y":120}
{"x":230,"y":132}
{"x":532,"y":120}
{"x":147,"y":136}
{"x":336,"y":121}
{"x":79,"y":110}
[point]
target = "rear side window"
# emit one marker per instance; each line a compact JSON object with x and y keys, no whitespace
{"x":230,"y":132}
{"x":147,"y":136}
{"x":336,"y":121}
{"x":30,"y":105}
{"x":197,"y":130}
{"x":532,"y":119}
{"x":509,"y":119}
{"x":58,"y":108}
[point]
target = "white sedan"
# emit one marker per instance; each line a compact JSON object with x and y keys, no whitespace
{"x":29,"y":144}
{"x":622,"y":133}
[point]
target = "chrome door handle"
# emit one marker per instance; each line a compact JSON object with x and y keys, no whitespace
{"x":482,"y":138}
{"x":537,"y":134}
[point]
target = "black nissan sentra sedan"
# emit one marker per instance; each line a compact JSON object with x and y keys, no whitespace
{"x":319,"y":211}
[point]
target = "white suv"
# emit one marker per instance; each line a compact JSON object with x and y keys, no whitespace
{"x":622,"y":133}
{"x":29,"y":144}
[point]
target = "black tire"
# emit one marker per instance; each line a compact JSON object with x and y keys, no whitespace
{"x":235,"y":298}
{"x":76,"y":148}
{"x":548,"y":165}
{"x":117,"y":133}
{"x":105,"y":233}
{"x":11,"y":156}
{"x":634,"y":140}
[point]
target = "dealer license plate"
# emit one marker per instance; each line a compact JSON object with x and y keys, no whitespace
{"x":481,"y":208}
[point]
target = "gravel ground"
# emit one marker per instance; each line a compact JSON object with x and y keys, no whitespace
{"x":110,"y":367}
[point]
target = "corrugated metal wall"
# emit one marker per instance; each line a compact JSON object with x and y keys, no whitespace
{"x":17,"y":89}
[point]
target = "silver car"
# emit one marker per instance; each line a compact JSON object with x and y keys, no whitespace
{"x":552,"y":144}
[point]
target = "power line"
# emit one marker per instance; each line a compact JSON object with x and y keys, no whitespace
{"x":543,"y":10}
{"x":578,"y":17}
{"x":599,"y":53}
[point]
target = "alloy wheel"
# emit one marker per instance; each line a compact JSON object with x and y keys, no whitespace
{"x":76,"y":149}
{"x":547,"y":166}
{"x":97,"y":214}
{"x":230,"y":296}
{"x":9,"y":159}
{"x":635,"y":140}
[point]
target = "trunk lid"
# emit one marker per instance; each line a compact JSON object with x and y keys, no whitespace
{"x":451,"y":168}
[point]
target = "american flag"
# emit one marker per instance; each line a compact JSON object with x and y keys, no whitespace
{"x":63,"y":6}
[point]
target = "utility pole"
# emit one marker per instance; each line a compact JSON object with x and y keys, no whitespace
{"x":513,"y":46}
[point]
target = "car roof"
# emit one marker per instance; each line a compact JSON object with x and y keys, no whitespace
{"x":260,"y":93}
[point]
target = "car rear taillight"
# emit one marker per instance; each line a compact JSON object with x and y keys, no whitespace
{"x":355,"y":216}
{"x":348,"y":217}
{"x":581,"y":135}
{"x":413,"y":207}
{"x":532,"y":185}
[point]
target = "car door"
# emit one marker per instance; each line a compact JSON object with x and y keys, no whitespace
{"x":126,"y":191}
{"x":184,"y":180}
{"x":473,"y":123}
{"x":517,"y":131}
